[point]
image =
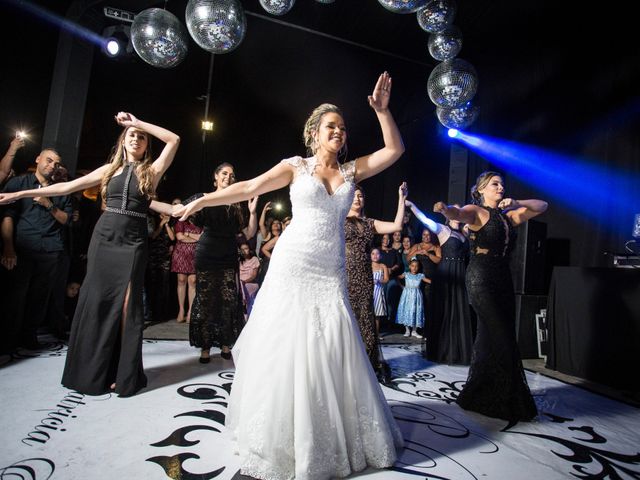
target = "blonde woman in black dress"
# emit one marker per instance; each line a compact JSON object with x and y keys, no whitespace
{"x":496,"y":385}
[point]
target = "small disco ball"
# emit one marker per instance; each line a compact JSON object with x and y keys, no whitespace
{"x":436,"y":15}
{"x":446,"y":44}
{"x":402,"y":6}
{"x":277,"y":7}
{"x":452,"y":83}
{"x":460,"y":117}
{"x":217,"y":26}
{"x":159,"y":38}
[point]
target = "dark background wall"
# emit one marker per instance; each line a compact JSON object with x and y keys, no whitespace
{"x":540,"y":84}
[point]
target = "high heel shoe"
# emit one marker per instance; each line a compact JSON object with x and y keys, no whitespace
{"x":204,"y":359}
{"x":226,"y":355}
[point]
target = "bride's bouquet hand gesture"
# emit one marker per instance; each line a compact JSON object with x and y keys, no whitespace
{"x":379,"y":98}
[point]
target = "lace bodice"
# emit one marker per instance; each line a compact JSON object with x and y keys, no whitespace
{"x":315,"y":236}
{"x":495,"y":239}
{"x":310,"y":200}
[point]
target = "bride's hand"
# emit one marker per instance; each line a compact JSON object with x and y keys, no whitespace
{"x":176,"y":209}
{"x":8,"y":198}
{"x":379,"y":98}
{"x":190,"y":209}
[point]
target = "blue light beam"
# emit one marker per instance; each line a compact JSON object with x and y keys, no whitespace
{"x":61,"y":22}
{"x":592,"y":189}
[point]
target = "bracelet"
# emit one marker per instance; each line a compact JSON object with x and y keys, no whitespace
{"x":50,"y":207}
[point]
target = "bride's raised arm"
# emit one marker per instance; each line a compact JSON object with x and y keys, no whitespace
{"x":379,"y":160}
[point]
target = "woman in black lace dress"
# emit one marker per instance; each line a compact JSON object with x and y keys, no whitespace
{"x":217,"y":316}
{"x":496,"y":386}
{"x":105,"y":346}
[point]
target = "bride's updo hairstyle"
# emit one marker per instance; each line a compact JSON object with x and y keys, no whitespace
{"x":481,"y":182}
{"x":312,"y":125}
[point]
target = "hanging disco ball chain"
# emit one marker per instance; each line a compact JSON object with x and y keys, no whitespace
{"x":219,"y":26}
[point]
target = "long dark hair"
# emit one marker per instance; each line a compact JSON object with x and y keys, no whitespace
{"x":236,"y":206}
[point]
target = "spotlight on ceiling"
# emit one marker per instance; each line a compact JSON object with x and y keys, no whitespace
{"x":117,"y":42}
{"x":113,"y":47}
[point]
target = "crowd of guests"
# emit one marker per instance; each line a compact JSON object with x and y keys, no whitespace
{"x":292,"y":385}
{"x":404,"y":276}
{"x":399,"y":278}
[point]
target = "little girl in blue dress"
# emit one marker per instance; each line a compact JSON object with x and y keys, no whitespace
{"x":411,"y":306}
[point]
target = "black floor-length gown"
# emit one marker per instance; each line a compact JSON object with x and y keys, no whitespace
{"x":100,"y":351}
{"x":496,"y":385}
{"x":449,"y":337}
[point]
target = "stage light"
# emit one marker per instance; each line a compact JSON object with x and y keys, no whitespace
{"x":207,"y":126}
{"x":453,"y":132}
{"x":112,"y":47}
{"x":117,"y":42}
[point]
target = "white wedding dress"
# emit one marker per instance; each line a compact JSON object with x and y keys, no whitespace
{"x":305,"y":402}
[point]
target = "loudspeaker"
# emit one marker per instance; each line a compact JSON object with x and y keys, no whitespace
{"x":527,"y":307}
{"x":528,"y":258}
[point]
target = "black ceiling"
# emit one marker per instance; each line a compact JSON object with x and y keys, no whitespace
{"x":541,"y":65}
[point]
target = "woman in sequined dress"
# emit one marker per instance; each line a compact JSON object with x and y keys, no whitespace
{"x":359,"y":231}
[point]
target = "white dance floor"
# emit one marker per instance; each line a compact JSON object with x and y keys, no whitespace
{"x":175,"y":427}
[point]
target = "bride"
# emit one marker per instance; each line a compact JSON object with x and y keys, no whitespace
{"x":305,"y":401}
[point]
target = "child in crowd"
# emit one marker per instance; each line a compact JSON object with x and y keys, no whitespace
{"x":411,"y":306}
{"x":380,"y":278}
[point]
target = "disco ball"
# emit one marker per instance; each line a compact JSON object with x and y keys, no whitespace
{"x":402,"y":6}
{"x":452,"y":83}
{"x":436,"y":15}
{"x":218,"y":26}
{"x":277,"y":7}
{"x":446,"y":44}
{"x":159,"y":38}
{"x":460,"y":117}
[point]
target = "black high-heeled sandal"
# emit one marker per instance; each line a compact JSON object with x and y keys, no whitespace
{"x":226,"y":355}
{"x":204,"y":359}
